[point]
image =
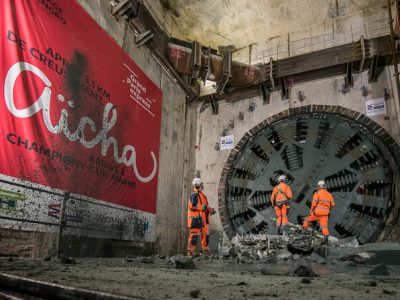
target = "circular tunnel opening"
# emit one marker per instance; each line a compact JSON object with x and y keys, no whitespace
{"x":347,"y":150}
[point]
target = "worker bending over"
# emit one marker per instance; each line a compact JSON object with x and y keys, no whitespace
{"x":281,"y":195}
{"x":321,"y":205}
{"x":198,"y":218}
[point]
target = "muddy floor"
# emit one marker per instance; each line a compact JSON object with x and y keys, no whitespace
{"x":158,"y":278}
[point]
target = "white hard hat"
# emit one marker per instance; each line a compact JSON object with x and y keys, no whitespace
{"x":282,"y":178}
{"x":197,"y":181}
{"x":321,"y":184}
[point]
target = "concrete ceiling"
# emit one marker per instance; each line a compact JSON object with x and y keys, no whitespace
{"x":245,"y":22}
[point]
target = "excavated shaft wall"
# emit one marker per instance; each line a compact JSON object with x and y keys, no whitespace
{"x":215,"y":166}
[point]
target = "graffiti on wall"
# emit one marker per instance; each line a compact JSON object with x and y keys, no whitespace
{"x":82,"y":216}
{"x":55,"y":211}
{"x":9,"y":200}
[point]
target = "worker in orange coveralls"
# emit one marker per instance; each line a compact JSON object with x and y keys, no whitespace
{"x":198,"y":218}
{"x":321,"y":205}
{"x":281,"y":195}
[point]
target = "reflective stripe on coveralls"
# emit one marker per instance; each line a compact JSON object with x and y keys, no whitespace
{"x":205,"y":215}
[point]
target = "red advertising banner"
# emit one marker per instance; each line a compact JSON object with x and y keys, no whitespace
{"x":76,"y":113}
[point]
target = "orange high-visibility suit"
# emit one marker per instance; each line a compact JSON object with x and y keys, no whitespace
{"x":320,"y":208}
{"x":281,"y":195}
{"x":198,"y":220}
{"x":205,"y":215}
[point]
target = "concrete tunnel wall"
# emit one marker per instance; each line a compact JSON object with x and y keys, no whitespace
{"x":178,"y":125}
{"x":210,"y":162}
{"x":176,"y":167}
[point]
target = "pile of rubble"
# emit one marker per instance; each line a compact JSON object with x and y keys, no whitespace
{"x":294,"y":244}
{"x":298,"y":244}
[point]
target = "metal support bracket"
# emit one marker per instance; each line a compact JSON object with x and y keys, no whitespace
{"x":373,"y":69}
{"x":126,"y":8}
{"x":265,"y":93}
{"x":271,"y":73}
{"x":196,"y":62}
{"x":214,"y":104}
{"x":226,"y":69}
{"x":348,"y":80}
{"x":362,"y":43}
{"x":143,"y":38}
{"x":285,"y":89}
{"x":207,"y":67}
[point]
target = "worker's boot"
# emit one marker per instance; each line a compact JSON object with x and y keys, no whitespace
{"x":279,"y":230}
{"x":326,"y":239}
{"x":189,"y":253}
{"x":206,"y":252}
{"x":283,"y":230}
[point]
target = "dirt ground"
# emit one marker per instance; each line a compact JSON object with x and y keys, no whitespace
{"x":157,"y":278}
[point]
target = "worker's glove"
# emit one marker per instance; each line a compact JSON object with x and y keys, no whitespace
{"x":212,"y":211}
{"x":204,"y":207}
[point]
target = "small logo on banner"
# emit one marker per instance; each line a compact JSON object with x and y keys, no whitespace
{"x":226,"y":142}
{"x":375,"y":107}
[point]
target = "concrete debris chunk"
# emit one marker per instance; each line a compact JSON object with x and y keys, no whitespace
{"x":371,"y":283}
{"x":296,"y":257}
{"x":306,"y":280}
{"x":67,"y":260}
{"x":380,"y":270}
{"x":237,"y":249}
{"x":350,"y":242}
{"x":387,"y":292}
{"x":304,"y":271}
{"x":225,"y":252}
{"x":273,"y":271}
{"x":283,"y":254}
{"x":314,"y":257}
{"x":147,"y":260}
{"x":365,"y":254}
{"x":235,"y":240}
{"x":185,"y":263}
{"x":245,"y":254}
{"x":194,"y":293}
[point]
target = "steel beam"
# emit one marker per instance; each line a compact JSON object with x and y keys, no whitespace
{"x":227,"y":69}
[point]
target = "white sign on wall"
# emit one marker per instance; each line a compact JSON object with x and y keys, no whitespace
{"x":226,"y":142}
{"x":375,"y":107}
